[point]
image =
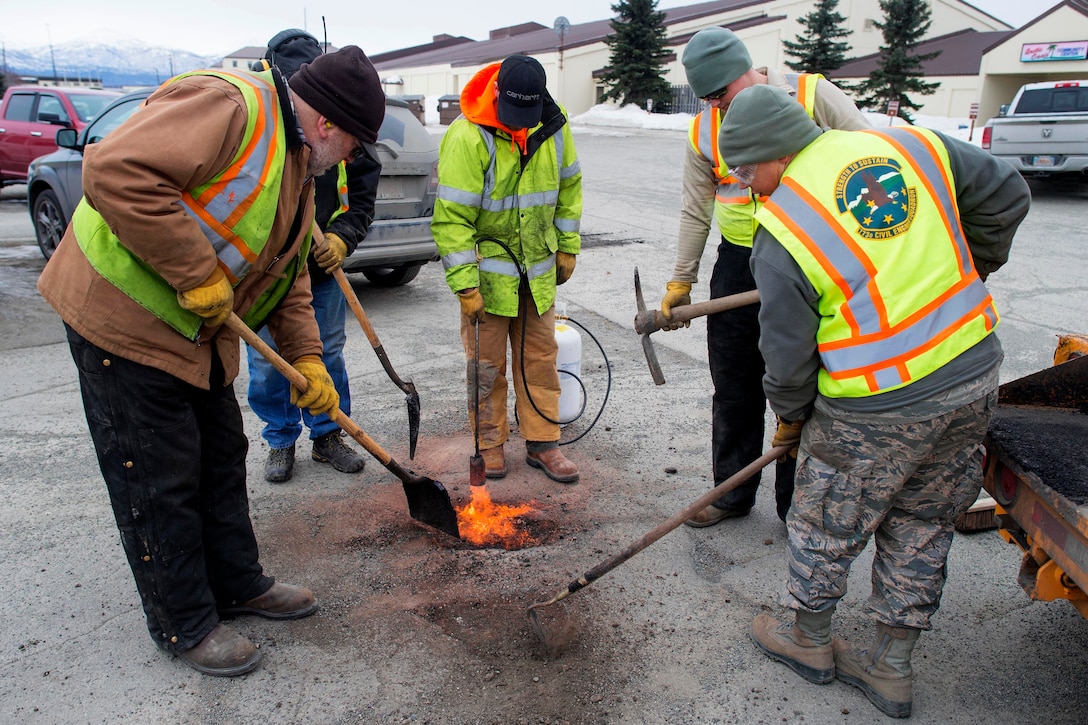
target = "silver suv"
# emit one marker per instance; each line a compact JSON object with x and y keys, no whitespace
{"x":399,"y":242}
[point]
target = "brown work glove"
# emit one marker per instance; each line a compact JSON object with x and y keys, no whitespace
{"x":677,"y":294}
{"x":472,"y":304}
{"x":788,"y":433}
{"x":320,"y":396}
{"x":331,"y":254}
{"x":213,"y":300}
{"x":564,"y":266}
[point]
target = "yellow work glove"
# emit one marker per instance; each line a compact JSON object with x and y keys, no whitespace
{"x":320,"y":396}
{"x":564,"y":266}
{"x":788,"y":433}
{"x":331,"y":255}
{"x":213,"y":300}
{"x":677,"y":294}
{"x":472,"y":304}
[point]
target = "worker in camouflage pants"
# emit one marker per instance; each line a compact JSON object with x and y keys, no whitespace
{"x":871,"y":257}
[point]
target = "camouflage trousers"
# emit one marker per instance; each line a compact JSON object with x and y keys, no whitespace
{"x":902,"y":483}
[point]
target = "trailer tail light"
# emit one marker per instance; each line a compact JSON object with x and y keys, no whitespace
{"x":987,"y":133}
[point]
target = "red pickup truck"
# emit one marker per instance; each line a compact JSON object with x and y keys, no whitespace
{"x":30,"y":117}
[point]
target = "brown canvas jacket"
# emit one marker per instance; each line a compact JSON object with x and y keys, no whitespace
{"x":187,"y":133}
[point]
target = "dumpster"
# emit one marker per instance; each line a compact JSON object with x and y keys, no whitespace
{"x":415,"y":105}
{"x":449,"y":108}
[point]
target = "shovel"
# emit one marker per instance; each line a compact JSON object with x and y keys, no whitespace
{"x":428,"y":500}
{"x":650,"y":537}
{"x":476,"y":470}
{"x":406,"y":385}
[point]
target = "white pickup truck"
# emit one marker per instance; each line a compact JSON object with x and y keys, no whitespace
{"x":1044,"y":131}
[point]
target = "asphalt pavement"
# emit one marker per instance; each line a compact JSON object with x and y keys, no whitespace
{"x":417,"y":629}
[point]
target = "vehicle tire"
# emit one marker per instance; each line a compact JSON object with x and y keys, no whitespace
{"x":392,"y":276}
{"x":49,"y":222}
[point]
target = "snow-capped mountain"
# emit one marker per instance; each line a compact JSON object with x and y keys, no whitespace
{"x":118,"y":62}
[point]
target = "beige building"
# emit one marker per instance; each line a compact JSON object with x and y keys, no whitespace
{"x":1053,"y":46}
{"x":575,"y":60}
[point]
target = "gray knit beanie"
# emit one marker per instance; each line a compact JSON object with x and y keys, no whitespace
{"x":764,"y":123}
{"x":714,"y":58}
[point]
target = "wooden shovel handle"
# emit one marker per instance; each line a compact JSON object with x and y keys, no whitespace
{"x":298,"y":380}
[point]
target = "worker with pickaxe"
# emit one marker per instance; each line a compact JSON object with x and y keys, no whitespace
{"x":718,"y":67}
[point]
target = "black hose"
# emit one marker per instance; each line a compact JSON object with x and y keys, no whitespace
{"x":523,"y":292}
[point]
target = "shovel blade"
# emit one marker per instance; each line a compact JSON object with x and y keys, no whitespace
{"x":413,"y":421}
{"x":429,"y":503}
{"x":477,"y":472}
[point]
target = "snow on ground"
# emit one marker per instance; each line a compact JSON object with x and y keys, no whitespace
{"x":611,"y":118}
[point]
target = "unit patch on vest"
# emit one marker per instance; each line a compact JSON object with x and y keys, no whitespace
{"x":873,"y":190}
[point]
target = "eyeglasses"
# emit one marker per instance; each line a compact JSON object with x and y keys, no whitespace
{"x":745,"y":174}
{"x":715,"y":95}
{"x":357,"y":152}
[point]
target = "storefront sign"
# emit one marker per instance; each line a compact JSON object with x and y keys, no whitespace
{"x":1075,"y":50}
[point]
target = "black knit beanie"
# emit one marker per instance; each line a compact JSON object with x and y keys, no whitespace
{"x":344,"y":87}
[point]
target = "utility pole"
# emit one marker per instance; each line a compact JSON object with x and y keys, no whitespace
{"x":51,"y":56}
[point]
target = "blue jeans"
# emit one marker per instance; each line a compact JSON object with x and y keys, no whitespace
{"x":269,"y":391}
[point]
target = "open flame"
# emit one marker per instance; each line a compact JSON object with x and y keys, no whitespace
{"x":485,"y":523}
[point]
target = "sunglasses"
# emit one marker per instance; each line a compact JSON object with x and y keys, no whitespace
{"x":744,"y":174}
{"x":715,"y":96}
{"x":357,"y":152}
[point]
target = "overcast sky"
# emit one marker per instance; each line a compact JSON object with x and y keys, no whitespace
{"x":213,"y":27}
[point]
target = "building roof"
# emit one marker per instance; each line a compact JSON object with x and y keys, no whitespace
{"x":534,"y":38}
{"x":960,"y":54}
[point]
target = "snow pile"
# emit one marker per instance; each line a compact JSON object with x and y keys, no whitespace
{"x":604,"y":116}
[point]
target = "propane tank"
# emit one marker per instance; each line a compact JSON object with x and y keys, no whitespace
{"x":568,"y":360}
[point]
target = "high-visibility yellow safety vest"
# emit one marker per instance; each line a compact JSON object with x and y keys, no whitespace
{"x":881,"y":243}
{"x":734,"y":207}
{"x":235,"y":210}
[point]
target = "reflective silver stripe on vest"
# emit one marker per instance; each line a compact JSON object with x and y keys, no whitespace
{"x":866,"y":354}
{"x":928,"y":168}
{"x":244,"y":184}
{"x":456,"y":259}
{"x":500,"y":266}
{"x":541,"y":268}
{"x":567,"y":225}
{"x":509,"y":269}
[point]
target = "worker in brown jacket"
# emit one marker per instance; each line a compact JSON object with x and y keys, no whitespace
{"x":199,"y":205}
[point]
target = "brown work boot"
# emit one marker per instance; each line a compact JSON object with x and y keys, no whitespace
{"x":712,"y":515}
{"x":882,"y":672}
{"x":804,"y":646}
{"x":555,"y":465}
{"x":494,"y":462}
{"x":223,"y":653}
{"x":282,"y":601}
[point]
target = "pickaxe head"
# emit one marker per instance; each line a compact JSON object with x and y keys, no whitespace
{"x":647,"y":345}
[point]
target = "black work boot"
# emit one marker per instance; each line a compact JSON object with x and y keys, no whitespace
{"x":804,"y":646}
{"x":331,"y":449}
{"x":280,"y":465}
{"x":223,"y":653}
{"x":883,"y":671}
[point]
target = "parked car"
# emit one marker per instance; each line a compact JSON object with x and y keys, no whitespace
{"x":399,"y":242}
{"x":1044,"y":130}
{"x":30,"y":117}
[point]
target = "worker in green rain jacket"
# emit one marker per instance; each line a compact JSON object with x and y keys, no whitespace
{"x":506,"y":225}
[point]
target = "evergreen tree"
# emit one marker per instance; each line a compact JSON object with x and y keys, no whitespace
{"x":899,"y":71}
{"x":818,"y":49}
{"x":638,"y":56}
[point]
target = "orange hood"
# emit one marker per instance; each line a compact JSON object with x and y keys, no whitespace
{"x":478,"y":101}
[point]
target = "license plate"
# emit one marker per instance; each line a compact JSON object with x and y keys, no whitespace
{"x":1043,"y":161}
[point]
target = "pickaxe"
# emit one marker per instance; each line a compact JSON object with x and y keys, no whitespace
{"x":406,"y":385}
{"x":650,"y":321}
